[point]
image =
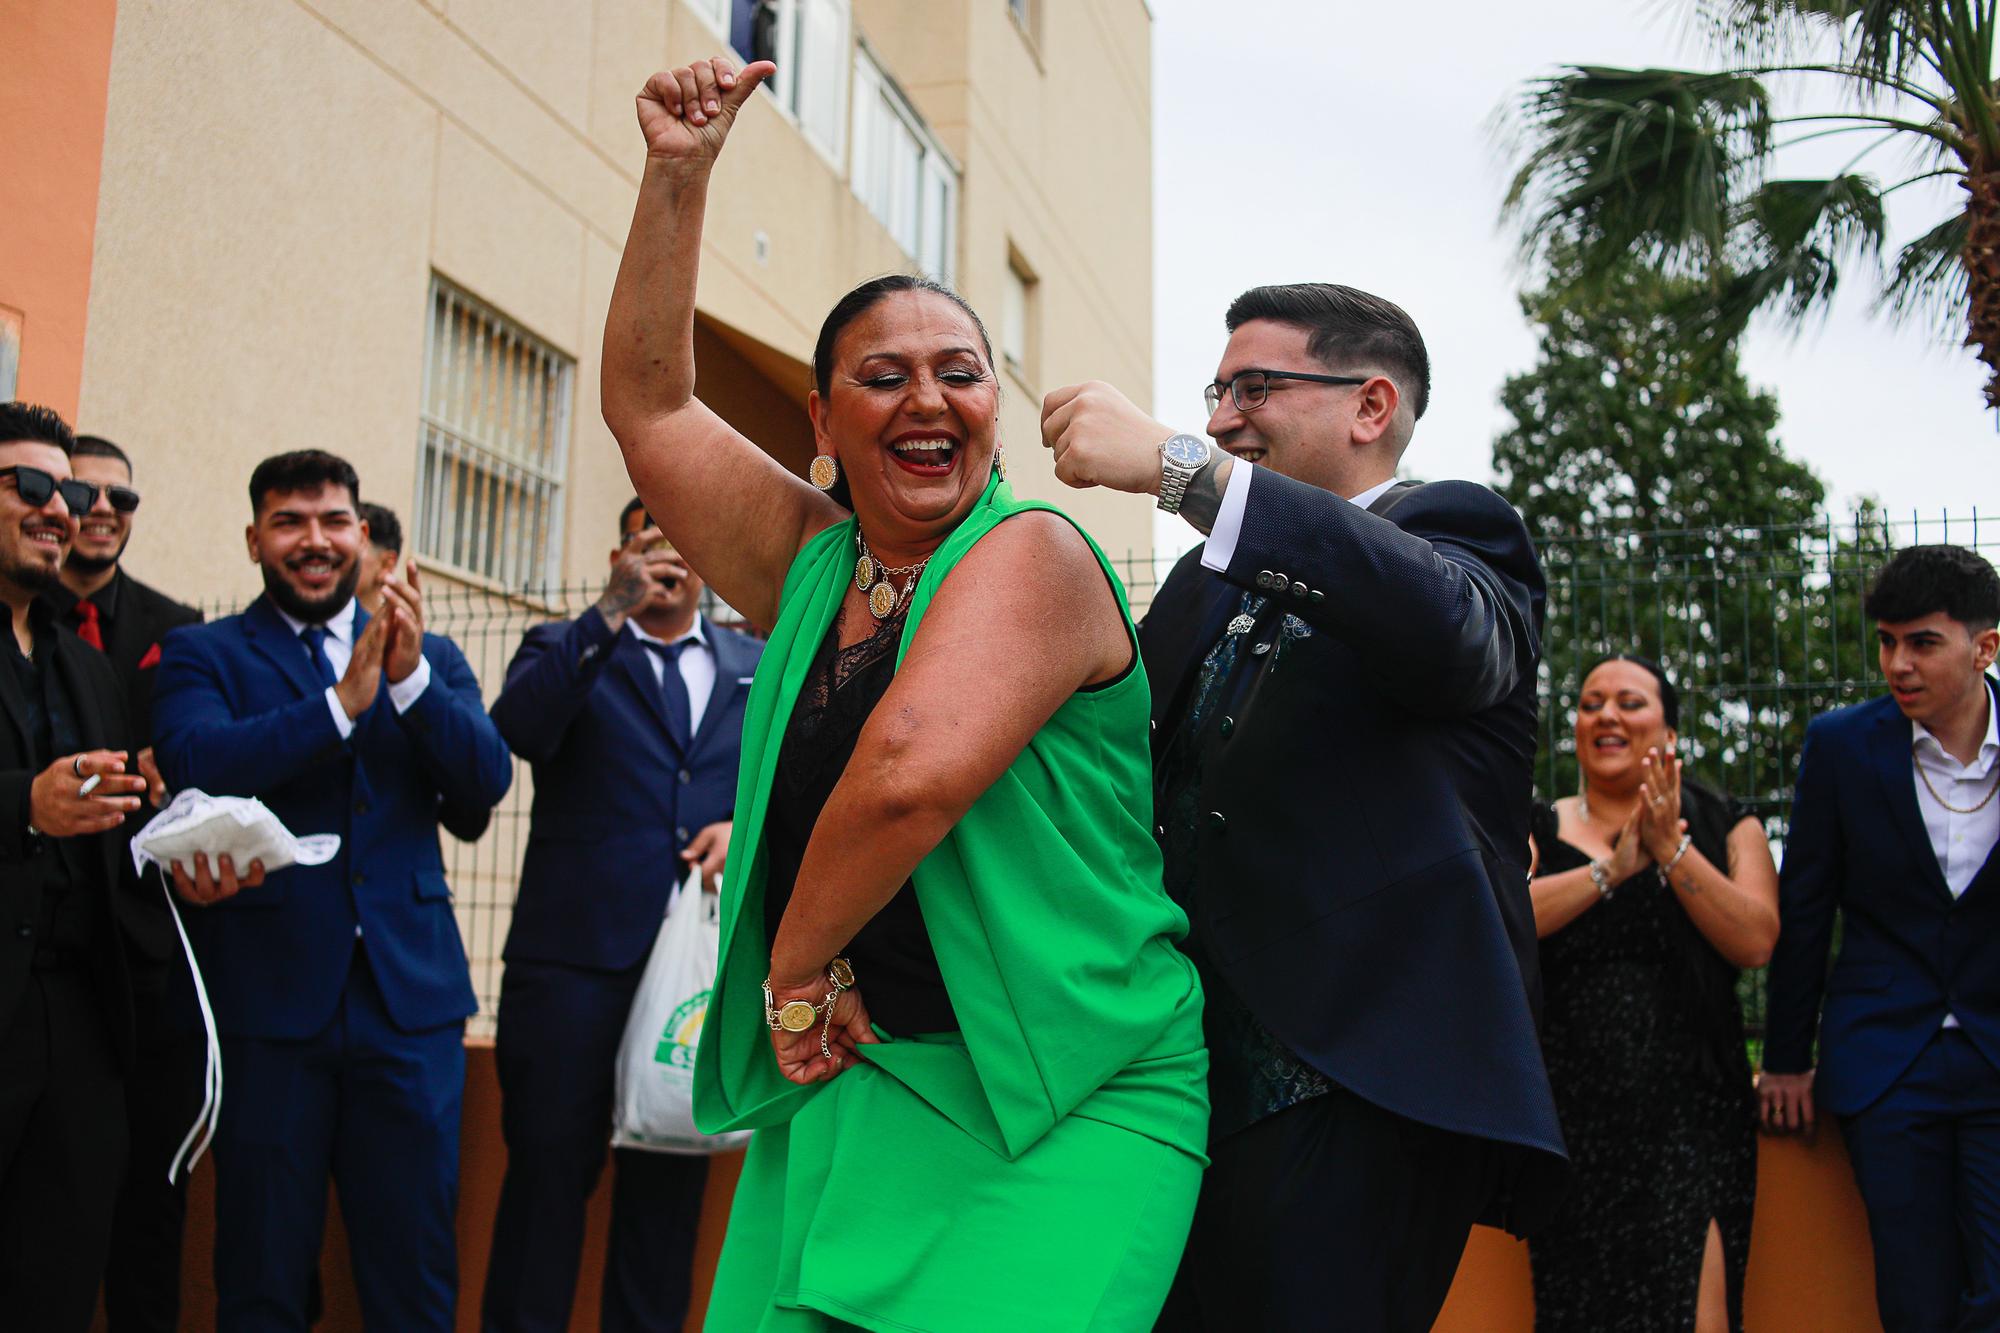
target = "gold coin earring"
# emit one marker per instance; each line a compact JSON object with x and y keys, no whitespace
{"x":824,"y":472}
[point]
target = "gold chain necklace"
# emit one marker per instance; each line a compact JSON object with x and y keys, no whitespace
{"x":1925,"y":778}
{"x":876,"y":581}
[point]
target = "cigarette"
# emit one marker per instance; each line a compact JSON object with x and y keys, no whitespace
{"x":90,"y":784}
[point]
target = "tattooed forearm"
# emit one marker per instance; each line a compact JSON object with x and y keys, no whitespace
{"x":1204,"y":492}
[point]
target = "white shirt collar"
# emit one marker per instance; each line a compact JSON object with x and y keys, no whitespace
{"x":698,"y":634}
{"x":1989,"y":748}
{"x":339,"y":625}
{"x":1371,"y":495}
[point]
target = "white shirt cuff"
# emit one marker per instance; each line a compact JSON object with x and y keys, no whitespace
{"x":404,"y":692}
{"x":1220,"y":548}
{"x":341,"y":721}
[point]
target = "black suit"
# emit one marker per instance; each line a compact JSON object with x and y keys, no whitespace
{"x":68,"y":909}
{"x":1359,"y":885}
{"x":163,"y":1094}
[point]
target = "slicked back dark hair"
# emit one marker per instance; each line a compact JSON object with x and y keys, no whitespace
{"x":1921,"y":580}
{"x":1345,"y":327}
{"x":1670,"y":698}
{"x":632,"y":506}
{"x":863,"y":299}
{"x":302,"y":470}
{"x":96,"y":446}
{"x":31,"y":421}
{"x":385,"y":530}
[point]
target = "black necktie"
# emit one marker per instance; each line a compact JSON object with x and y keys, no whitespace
{"x":674,"y":690}
{"x":315,"y":637}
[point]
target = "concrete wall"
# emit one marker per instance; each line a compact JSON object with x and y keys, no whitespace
{"x":281,"y":177}
{"x":55,"y":60}
{"x":1810,"y":1263}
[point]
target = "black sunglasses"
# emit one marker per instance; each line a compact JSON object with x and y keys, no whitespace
{"x":36,"y":486}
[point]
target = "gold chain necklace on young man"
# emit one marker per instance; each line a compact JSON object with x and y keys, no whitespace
{"x":1969,"y":810}
{"x":876,"y":580}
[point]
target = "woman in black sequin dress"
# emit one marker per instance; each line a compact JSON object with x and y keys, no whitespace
{"x":1652,"y":893}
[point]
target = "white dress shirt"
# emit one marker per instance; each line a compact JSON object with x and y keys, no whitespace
{"x":1961,"y":842}
{"x":339,"y":648}
{"x":1220,"y":548}
{"x":696,"y":663}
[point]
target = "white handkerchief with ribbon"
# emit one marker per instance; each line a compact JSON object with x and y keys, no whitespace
{"x":239,"y":827}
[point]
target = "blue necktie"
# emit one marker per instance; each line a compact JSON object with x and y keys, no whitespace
{"x":674,"y":690}
{"x":315,"y":638}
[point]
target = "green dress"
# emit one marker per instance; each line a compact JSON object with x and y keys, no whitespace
{"x":1036,"y":1169}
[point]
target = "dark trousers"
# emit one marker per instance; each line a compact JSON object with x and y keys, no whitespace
{"x":62,"y":1146}
{"x":1331,"y":1214}
{"x":142,"y":1277}
{"x":378,"y":1109}
{"x":1927,"y":1159}
{"x":555,"y":1050}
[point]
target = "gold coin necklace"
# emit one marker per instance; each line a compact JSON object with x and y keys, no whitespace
{"x":877,"y":581}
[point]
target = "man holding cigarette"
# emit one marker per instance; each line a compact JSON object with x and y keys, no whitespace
{"x":632,"y":716}
{"x":68,"y":899}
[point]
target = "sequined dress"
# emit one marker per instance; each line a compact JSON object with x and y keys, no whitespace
{"x":1644,"y":1042}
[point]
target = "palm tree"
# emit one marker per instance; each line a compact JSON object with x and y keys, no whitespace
{"x":1671,"y":168}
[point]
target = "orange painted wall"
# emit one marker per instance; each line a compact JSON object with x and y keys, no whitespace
{"x":55,"y":73}
{"x":1811,"y":1269}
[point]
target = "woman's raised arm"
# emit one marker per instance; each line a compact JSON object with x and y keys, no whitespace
{"x":736,"y":515}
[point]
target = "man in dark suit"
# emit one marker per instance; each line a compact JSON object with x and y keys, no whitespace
{"x":340,"y":990}
{"x":68,"y":902}
{"x":1344,"y":730}
{"x":124,"y":619}
{"x":1894,"y":825}
{"x":380,"y":554}
{"x":632,"y":716}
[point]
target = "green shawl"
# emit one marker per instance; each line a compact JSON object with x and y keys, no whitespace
{"x":1044,"y":904}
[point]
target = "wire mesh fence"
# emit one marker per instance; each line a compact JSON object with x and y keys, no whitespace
{"x":1761,"y":629}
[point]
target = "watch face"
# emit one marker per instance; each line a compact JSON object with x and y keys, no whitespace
{"x":797,"y":1016}
{"x":1185,"y":450}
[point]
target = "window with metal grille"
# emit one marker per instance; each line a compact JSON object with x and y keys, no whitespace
{"x":492,"y":444}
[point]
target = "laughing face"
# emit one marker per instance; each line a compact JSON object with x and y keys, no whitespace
{"x":1619,"y":718}
{"x":911,"y":416}
{"x":33,"y":538}
{"x":308,"y":544}
{"x":103,"y":532}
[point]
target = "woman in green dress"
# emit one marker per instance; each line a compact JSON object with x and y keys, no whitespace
{"x":949,"y":999}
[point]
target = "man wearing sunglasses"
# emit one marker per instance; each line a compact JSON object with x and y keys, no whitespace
{"x":69,"y":903}
{"x":1344,"y":733}
{"x":125,"y":620}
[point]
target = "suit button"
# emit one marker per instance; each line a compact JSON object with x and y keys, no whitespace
{"x":1263,"y":578}
{"x":685,"y":777}
{"x":1298,"y":589}
{"x":681,"y":833}
{"x":1216,"y":822}
{"x":1316,"y":596}
{"x":26,"y":932}
{"x":1159,"y":830}
{"x":1260,"y":648}
{"x":1227,"y":725}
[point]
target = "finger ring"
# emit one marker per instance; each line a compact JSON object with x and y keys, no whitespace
{"x":76,"y":764}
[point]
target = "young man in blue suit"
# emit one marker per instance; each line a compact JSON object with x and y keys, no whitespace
{"x":1344,"y":736}
{"x":1894,"y":824}
{"x":632,"y":717}
{"x":341,"y":990}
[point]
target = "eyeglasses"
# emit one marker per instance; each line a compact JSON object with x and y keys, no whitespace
{"x":36,"y":486}
{"x":1248,"y":389}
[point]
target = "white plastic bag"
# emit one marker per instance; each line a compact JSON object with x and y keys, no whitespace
{"x":653,"y":1106}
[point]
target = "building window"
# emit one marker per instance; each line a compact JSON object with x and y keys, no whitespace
{"x":1017,"y":317}
{"x":808,"y":39}
{"x":1023,"y":12}
{"x":900,"y":172}
{"x":492,"y":444}
{"x":714,"y":12}
{"x":10,"y":353}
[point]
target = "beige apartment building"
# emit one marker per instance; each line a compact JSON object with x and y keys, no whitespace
{"x":389,"y":228}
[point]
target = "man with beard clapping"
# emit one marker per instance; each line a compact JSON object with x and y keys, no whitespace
{"x":340,"y":990}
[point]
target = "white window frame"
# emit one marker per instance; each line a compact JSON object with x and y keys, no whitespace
{"x":810,"y":87}
{"x":492,"y":444}
{"x":881,"y":113}
{"x":715,"y":13}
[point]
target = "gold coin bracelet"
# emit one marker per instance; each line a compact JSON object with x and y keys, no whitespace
{"x":877,"y":581}
{"x":800,"y":1015}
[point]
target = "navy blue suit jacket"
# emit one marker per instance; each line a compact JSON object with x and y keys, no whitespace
{"x":238,"y":712}
{"x":617,"y":794}
{"x":1909,"y":954}
{"x":1363,"y":858}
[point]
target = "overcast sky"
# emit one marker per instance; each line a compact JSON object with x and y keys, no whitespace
{"x":1329,"y":140}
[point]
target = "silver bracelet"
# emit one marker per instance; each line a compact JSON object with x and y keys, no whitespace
{"x":1667,"y":870}
{"x":1600,"y":875}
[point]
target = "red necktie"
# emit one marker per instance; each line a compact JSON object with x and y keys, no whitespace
{"x":86,"y":625}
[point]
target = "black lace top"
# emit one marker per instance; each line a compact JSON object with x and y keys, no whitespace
{"x":892,"y":955}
